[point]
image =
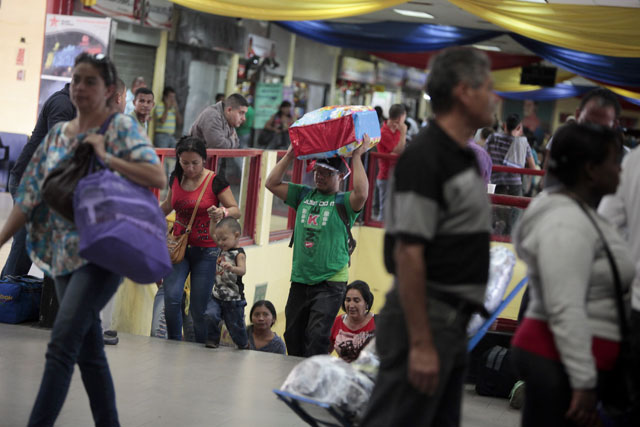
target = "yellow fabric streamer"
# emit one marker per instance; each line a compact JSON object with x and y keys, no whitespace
{"x":288,"y":10}
{"x":622,"y":92}
{"x":508,"y":80}
{"x":603,"y":30}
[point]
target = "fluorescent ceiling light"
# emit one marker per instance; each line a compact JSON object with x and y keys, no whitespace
{"x":487,"y":47}
{"x":413,"y":13}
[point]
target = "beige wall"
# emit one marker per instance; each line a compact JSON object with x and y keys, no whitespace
{"x":19,"y":99}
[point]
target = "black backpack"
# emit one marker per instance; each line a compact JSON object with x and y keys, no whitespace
{"x":496,"y":375}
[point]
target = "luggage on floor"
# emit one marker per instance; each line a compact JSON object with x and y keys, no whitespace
{"x":19,"y":298}
{"x":496,"y":375}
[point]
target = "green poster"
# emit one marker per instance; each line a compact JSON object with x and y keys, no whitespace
{"x":267,"y":100}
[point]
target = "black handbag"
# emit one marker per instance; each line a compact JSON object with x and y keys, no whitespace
{"x":616,"y":388}
{"x":60,"y":183}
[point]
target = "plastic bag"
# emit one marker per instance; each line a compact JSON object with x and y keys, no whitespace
{"x":60,"y":184}
{"x":368,"y":361}
{"x":333,"y":381}
{"x":501,"y":264}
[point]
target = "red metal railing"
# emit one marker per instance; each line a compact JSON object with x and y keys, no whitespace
{"x":252,"y":188}
{"x":496,"y":199}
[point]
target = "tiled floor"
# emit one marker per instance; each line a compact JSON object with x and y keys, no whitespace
{"x":163,"y":383}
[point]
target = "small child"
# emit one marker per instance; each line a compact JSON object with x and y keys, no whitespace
{"x":227,"y":300}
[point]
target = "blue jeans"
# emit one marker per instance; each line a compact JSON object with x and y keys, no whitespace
{"x":164,"y":140}
{"x":201,"y":263}
{"x":18,"y":262}
{"x":158,"y":315}
{"x":232,"y":312}
{"x":76,"y":337}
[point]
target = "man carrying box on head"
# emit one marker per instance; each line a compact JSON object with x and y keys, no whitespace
{"x":321,"y":246}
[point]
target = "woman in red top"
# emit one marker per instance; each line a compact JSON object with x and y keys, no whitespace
{"x":352,"y":331}
{"x":185,"y":184}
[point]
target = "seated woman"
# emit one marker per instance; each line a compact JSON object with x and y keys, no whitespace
{"x":275,"y":135}
{"x":261,"y":337}
{"x":352,"y":331}
{"x":570,"y":335}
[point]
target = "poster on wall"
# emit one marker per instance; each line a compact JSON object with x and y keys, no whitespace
{"x":152,"y":13}
{"x":267,"y":100}
{"x":260,"y":46}
{"x":66,"y":37}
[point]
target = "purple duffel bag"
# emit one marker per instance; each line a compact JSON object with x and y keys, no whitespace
{"x":121,"y":227}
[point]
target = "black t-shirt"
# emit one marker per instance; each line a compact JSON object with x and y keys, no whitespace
{"x":58,"y":108}
{"x":438,"y":199}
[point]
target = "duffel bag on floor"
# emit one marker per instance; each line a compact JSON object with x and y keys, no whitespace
{"x":19,"y":298}
{"x":496,"y":376}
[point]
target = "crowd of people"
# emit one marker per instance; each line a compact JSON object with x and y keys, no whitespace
{"x":438,"y":223}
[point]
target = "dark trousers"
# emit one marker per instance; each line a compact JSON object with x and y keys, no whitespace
{"x":310,"y":312}
{"x":232,"y":312}
{"x":18,"y":262}
{"x":77,"y":338}
{"x":506,"y":217}
{"x":548,"y":392}
{"x":394,"y":401}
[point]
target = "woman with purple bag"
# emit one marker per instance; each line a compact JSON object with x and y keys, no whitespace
{"x":83,"y":288}
{"x":192,"y":187}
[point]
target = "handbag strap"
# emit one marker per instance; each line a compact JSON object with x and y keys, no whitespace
{"x":195,"y":210}
{"x":617,"y":283}
{"x":105,"y":125}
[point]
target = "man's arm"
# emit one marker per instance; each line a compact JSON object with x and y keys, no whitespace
{"x":360,"y":192}
{"x":165,"y":113}
{"x":274,"y":180}
{"x":424,"y":364}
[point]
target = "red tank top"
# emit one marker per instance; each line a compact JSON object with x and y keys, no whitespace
{"x":184,"y":202}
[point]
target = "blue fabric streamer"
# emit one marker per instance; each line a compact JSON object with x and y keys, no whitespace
{"x":548,"y":93}
{"x":393,"y":36}
{"x":632,"y":100}
{"x":608,"y":69}
{"x":388,"y":36}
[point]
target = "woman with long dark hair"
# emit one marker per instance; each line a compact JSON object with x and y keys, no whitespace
{"x":83,"y":288}
{"x":185,"y":185}
{"x":570,"y":336}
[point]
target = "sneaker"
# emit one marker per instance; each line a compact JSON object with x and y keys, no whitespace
{"x":516,"y":397}
{"x":110,"y":340}
{"x":111,"y":333}
{"x":211,"y":344}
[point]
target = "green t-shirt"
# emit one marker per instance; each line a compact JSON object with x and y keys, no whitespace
{"x":320,"y":249}
{"x":245,"y":128}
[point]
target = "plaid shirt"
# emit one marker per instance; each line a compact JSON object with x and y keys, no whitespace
{"x":498,"y":145}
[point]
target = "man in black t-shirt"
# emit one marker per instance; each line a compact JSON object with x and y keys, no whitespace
{"x":437,"y":247}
